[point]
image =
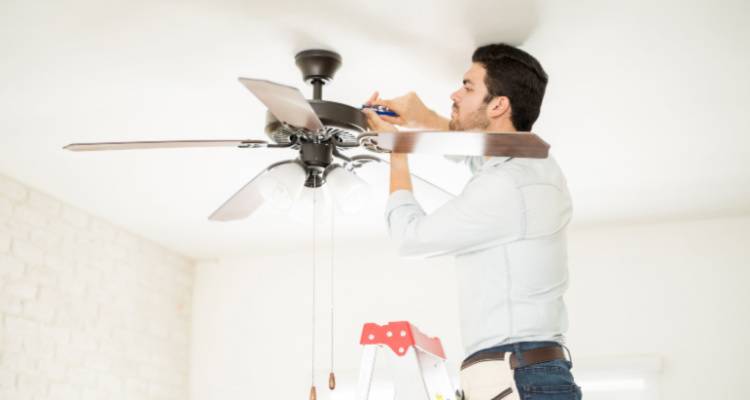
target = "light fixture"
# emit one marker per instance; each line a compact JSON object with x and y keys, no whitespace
{"x":349,"y":191}
{"x":282,"y":184}
{"x":311,"y":200}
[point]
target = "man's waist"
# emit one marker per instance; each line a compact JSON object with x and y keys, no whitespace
{"x":476,"y":340}
{"x":521,"y":354}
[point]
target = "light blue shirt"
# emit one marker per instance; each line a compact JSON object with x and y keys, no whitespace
{"x":506,"y":231}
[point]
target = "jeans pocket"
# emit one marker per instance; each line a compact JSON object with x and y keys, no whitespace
{"x":550,"y":380}
{"x":551,"y":392}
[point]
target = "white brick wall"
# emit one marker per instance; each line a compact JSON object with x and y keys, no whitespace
{"x":87,"y":310}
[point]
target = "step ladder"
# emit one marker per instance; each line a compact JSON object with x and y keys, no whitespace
{"x":400,"y":336}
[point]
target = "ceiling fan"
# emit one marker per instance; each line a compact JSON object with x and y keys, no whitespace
{"x":320,"y":130}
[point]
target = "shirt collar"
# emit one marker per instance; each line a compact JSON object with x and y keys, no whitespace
{"x":478,"y":164}
{"x":493,"y":161}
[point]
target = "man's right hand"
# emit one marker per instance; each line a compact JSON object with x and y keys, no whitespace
{"x":412,"y":112}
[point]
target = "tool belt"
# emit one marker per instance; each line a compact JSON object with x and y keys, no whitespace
{"x":489,"y":375}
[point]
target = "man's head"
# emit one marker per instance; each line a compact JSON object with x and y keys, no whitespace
{"x":503,"y":88}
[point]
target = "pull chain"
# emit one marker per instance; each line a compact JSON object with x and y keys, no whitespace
{"x":313,"y":393}
{"x":331,"y":375}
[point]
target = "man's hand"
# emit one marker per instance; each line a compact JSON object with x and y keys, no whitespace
{"x":412,"y":112}
{"x":377,"y":123}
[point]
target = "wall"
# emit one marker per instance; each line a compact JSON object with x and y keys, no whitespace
{"x":672,"y":294}
{"x":675,"y":289}
{"x":252,"y":317}
{"x":87,"y":311}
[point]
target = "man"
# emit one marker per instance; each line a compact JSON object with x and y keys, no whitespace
{"x":506,"y":229}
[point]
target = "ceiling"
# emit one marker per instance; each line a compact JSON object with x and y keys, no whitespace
{"x":644,"y":109}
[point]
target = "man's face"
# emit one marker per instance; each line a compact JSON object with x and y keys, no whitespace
{"x":469,"y":109}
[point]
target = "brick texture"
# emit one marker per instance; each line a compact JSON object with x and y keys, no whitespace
{"x":87,"y":310}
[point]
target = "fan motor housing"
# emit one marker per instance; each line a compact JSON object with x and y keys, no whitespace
{"x":344,"y":121}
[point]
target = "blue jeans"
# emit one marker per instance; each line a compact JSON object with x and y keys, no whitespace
{"x":550,"y":380}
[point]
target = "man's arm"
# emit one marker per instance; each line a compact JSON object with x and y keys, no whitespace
{"x":465,"y":222}
{"x":400,"y":175}
{"x":437,"y":122}
{"x":489,"y":211}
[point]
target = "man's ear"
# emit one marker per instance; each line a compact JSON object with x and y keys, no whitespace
{"x":498,"y":106}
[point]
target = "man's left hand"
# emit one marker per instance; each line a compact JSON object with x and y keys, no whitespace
{"x":376,"y":123}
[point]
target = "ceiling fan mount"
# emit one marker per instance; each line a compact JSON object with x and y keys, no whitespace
{"x":318,"y":65}
{"x":342,"y":123}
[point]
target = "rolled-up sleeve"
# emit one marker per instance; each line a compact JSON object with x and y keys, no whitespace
{"x":488,"y":212}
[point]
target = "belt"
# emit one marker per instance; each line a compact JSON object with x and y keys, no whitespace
{"x":529,"y":357}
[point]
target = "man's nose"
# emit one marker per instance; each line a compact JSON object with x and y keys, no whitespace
{"x":455,"y":96}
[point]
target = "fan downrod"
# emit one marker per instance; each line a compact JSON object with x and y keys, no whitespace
{"x":318,"y":67}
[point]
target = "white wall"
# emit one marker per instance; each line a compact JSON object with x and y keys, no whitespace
{"x":672,"y":291}
{"x":252,"y":317}
{"x":87,"y":311}
{"x":675,"y":289}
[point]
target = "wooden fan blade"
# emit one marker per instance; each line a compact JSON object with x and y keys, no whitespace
{"x":514,"y":144}
{"x":162,"y":144}
{"x":286,"y":103}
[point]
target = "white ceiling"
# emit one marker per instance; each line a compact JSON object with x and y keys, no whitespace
{"x":645,"y":109}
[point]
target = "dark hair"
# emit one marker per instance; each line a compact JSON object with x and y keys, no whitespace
{"x":516,"y":74}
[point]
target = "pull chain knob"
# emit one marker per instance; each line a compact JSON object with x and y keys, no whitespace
{"x":313,"y":393}
{"x":331,"y":381}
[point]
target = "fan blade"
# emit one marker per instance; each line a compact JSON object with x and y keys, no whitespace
{"x":246,"y":200}
{"x":286,"y":103}
{"x":443,"y":192}
{"x":440,"y":191}
{"x":515,"y":144}
{"x":241,"y":204}
{"x":163,"y":144}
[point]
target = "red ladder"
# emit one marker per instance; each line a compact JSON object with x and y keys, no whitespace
{"x":400,"y":336}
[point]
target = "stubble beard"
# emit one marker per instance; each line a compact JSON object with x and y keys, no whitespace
{"x":475,"y":121}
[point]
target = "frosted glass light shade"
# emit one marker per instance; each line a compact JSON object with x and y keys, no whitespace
{"x":282,"y":184}
{"x":311,"y":200}
{"x":349,"y":191}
